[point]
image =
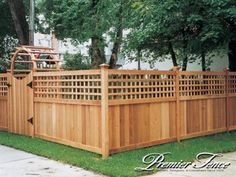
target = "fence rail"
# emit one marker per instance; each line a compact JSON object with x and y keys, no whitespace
{"x":108,"y":111}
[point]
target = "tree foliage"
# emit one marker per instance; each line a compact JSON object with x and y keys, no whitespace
{"x":7,"y":35}
{"x":76,"y":62}
{"x":80,"y":21}
{"x":90,"y":20}
{"x":185,"y":30}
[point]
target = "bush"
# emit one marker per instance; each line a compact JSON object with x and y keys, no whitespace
{"x":76,"y":62}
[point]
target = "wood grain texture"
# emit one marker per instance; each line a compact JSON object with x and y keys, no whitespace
{"x":202,"y":115}
{"x":21,"y":106}
{"x":75,"y":124}
{"x":3,"y":114}
{"x":131,"y":125}
{"x":232,"y":113}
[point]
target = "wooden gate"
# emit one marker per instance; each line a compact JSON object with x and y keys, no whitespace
{"x":21,"y":105}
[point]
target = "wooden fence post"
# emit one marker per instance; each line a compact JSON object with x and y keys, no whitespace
{"x":227,"y":98}
{"x":9,"y":112}
{"x":177,"y":114}
{"x":104,"y":110}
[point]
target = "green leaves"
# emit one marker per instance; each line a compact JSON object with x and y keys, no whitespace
{"x":7,"y":34}
{"x":191,"y":26}
{"x":76,"y":62}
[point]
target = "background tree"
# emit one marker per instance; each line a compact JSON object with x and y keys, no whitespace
{"x":81,"y":21}
{"x":93,"y":20}
{"x":118,"y":30}
{"x":13,"y":27}
{"x":186,"y":30}
{"x":7,"y":35}
{"x":17,"y":9}
{"x":227,"y":14}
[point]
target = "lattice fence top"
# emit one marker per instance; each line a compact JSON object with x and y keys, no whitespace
{"x":3,"y":85}
{"x":202,"y":83}
{"x":71,"y":85}
{"x":232,"y":83}
{"x":127,"y":85}
{"x":132,"y":85}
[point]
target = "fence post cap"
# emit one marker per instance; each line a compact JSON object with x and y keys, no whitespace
{"x":104,"y":66}
{"x":175,"y":68}
{"x":226,"y":69}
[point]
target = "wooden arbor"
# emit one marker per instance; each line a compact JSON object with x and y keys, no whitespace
{"x":31,"y":58}
{"x":26,"y":60}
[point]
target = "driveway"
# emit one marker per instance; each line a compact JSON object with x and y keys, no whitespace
{"x":15,"y":163}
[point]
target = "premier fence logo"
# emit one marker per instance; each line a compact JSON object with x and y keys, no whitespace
{"x":204,"y":161}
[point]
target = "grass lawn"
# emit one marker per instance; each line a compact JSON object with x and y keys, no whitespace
{"x":121,"y":164}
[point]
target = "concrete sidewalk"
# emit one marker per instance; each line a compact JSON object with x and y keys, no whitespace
{"x":15,"y":163}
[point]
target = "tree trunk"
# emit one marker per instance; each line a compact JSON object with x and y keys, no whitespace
{"x":185,"y":63}
{"x":97,"y":53}
{"x":18,"y":15}
{"x":185,"y":58}
{"x":203,"y":58}
{"x":1,"y":53}
{"x":118,"y":41}
{"x":172,"y":53}
{"x":232,"y":55}
{"x":139,"y":56}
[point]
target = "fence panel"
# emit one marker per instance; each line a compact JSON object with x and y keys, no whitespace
{"x":142,"y":108}
{"x":203,"y":102}
{"x":232,"y":100}
{"x":67,"y":108}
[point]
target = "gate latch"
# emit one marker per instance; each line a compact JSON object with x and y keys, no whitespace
{"x":31,"y":120}
{"x":30,"y":84}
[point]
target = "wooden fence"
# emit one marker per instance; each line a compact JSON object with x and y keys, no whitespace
{"x":108,"y":111}
{"x":3,"y":102}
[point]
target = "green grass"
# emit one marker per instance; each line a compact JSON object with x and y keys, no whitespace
{"x":121,"y":164}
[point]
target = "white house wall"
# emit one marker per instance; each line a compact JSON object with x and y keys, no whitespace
{"x":66,"y":46}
